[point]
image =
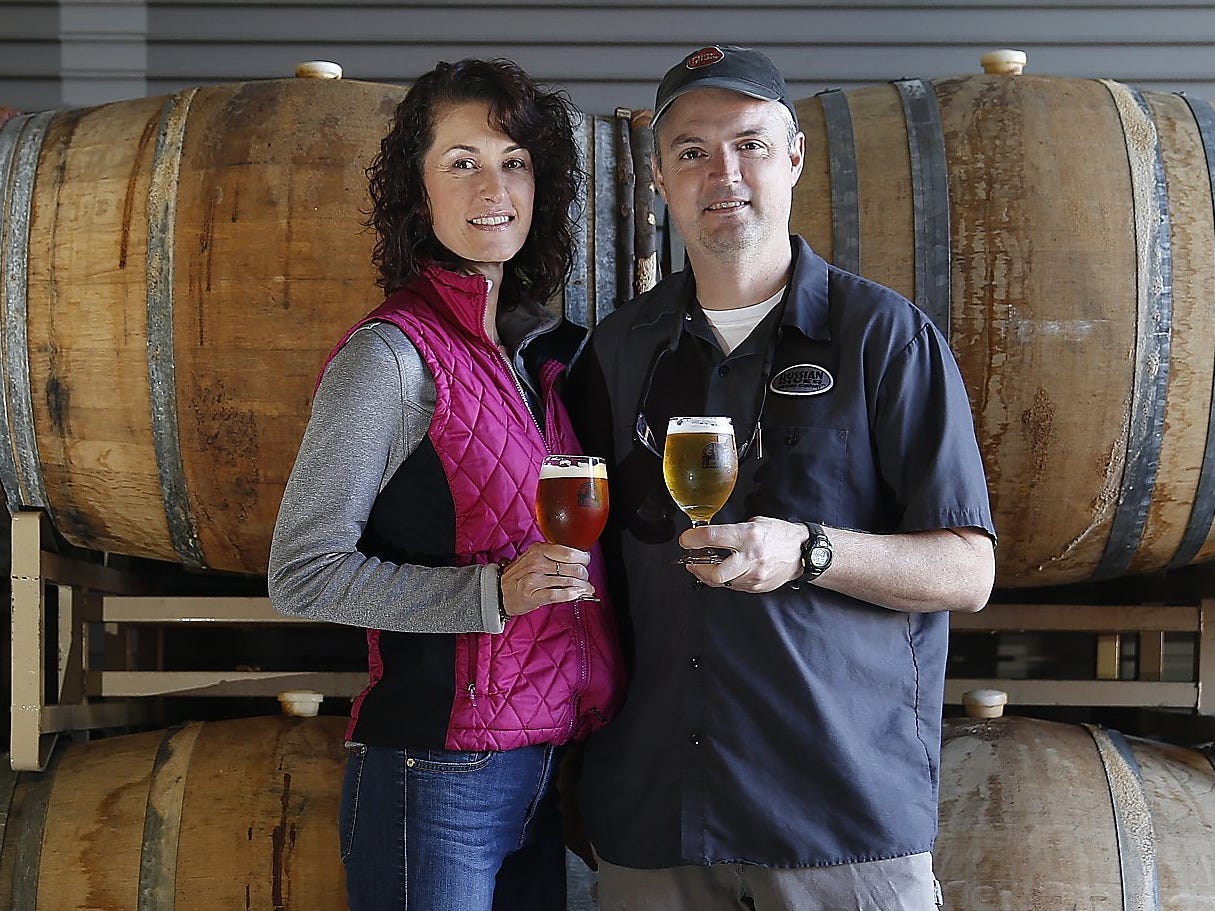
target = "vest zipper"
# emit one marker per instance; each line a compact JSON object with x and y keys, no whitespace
{"x":472,"y":670}
{"x":580,"y":639}
{"x":523,"y":397}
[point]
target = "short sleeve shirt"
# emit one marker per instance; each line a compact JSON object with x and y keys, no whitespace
{"x":799,"y":727}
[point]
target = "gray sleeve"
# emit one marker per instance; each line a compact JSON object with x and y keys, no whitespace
{"x":371,"y":412}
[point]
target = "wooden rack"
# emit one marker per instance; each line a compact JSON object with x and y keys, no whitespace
{"x":80,"y":697}
{"x":1148,"y":622}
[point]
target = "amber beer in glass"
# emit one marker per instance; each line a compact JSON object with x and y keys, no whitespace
{"x":572,"y":500}
{"x":700,"y":465}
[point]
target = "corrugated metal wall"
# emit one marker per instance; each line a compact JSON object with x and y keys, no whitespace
{"x":29,"y":56}
{"x":81,"y":52}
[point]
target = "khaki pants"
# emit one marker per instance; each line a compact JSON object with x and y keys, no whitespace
{"x":899,"y":884}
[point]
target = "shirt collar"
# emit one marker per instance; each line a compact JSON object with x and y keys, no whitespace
{"x":807,"y":306}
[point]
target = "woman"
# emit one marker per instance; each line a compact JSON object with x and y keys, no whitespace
{"x":410,"y":508}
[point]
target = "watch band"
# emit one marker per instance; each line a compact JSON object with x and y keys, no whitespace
{"x":813,"y":548}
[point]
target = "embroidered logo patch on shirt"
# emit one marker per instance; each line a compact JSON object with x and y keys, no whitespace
{"x":802,"y":379}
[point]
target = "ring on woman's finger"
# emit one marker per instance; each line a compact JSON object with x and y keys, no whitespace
{"x":557,"y":567}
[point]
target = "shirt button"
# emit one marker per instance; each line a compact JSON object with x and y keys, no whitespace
{"x":723,"y":370}
{"x":791,"y":438}
{"x":694,"y":739}
{"x":695,"y":662}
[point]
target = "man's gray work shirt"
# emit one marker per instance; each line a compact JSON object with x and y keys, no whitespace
{"x":799,"y":727}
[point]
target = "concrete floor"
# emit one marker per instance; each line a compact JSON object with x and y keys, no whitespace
{"x":579,"y":882}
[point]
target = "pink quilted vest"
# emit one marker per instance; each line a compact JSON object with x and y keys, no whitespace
{"x":556,"y":673}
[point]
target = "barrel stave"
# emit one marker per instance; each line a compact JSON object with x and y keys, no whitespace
{"x":1046,"y":306}
{"x":96,"y":812}
{"x":281,"y":787}
{"x":281,"y":266}
{"x":1012,"y":837}
{"x":1192,"y":336}
{"x":86,"y":329}
{"x":1180,"y":787}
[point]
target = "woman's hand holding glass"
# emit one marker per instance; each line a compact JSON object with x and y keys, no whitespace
{"x":571,"y":510}
{"x":545,"y":574}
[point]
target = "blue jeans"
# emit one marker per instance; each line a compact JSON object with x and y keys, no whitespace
{"x":437,"y":830}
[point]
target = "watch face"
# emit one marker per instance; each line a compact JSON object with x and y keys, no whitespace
{"x":819,"y":557}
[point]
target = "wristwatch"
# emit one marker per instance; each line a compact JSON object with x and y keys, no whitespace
{"x":816,"y":553}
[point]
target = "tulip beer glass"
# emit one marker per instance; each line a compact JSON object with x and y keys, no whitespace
{"x":572,"y":500}
{"x":700,"y":467}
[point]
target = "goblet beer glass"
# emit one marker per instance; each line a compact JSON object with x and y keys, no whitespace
{"x":572,"y":500}
{"x":700,"y":467}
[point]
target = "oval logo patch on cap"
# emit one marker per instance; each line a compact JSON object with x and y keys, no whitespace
{"x":802,"y":379}
{"x":706,"y":56}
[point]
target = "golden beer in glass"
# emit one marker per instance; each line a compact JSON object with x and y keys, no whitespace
{"x":700,"y":467}
{"x":572,"y":500}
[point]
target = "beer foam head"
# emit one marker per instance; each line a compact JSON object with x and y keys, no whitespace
{"x":573,"y":467}
{"x":704,"y":424}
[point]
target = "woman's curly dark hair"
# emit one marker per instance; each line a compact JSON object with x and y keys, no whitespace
{"x":540,"y":121}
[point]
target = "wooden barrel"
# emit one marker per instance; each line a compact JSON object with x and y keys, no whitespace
{"x":175,"y":270}
{"x":1037,"y":814}
{"x":1060,"y":231}
{"x":223,"y":815}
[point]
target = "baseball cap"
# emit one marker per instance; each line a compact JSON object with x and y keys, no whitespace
{"x":723,"y":66}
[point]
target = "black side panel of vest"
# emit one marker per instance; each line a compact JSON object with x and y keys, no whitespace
{"x":414,"y":517}
{"x":411,"y":705}
{"x":413,"y":521}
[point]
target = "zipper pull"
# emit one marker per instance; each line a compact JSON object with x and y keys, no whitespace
{"x":472,"y":693}
{"x":759,"y":439}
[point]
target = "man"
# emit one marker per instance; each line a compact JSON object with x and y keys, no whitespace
{"x":780,"y":742}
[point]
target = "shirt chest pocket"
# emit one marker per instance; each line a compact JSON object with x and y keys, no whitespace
{"x":801,"y":475}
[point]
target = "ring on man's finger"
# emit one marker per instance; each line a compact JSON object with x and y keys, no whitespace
{"x":557,"y":567}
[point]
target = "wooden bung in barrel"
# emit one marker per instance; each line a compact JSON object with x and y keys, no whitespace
{"x":984,"y":703}
{"x":1004,"y":62}
{"x":318,"y":69}
{"x":1060,"y":233}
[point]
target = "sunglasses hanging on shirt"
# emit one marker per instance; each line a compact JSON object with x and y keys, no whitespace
{"x":673,"y":387}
